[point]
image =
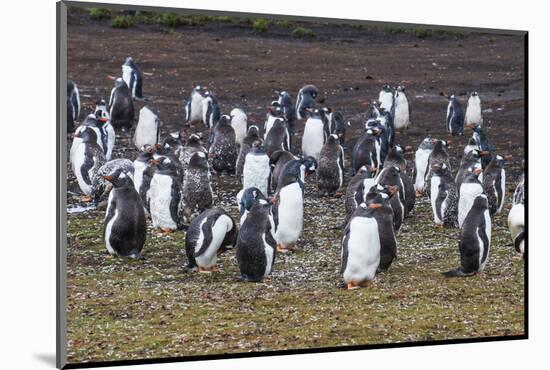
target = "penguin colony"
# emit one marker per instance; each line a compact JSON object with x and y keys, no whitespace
{"x":169,"y":181}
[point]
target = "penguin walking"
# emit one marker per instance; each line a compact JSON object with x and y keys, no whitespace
{"x":278,"y":137}
{"x":106,"y":132}
{"x":247,"y":199}
{"x":516,"y":218}
{"x":223,"y":151}
{"x":494,"y":184}
{"x":194,"y":106}
{"x":469,"y":160}
{"x":475,"y":239}
{"x":402,"y":115}
{"x":473,"y":110}
{"x":256,"y":171}
{"x":121,"y":106}
{"x":125,"y":229}
{"x":211,"y":114}
{"x":420,"y":167}
{"x":330,"y":174}
{"x":355,"y":192}
{"x":209,"y":235}
{"x":315,"y":134}
{"x":470,"y":189}
{"x":386,"y":99}
{"x":99,"y":186}
{"x":197,"y":194}
{"x":73,"y":105}
{"x":165,"y":193}
{"x":305,"y":102}
{"x":88,"y":158}
{"x":365,"y":153}
{"x":277,"y":161}
{"x":141,"y":164}
{"x":455,"y":116}
{"x":252,"y":135}
{"x":391,"y":176}
{"x":148,"y":128}
{"x":133,"y":78}
{"x":440,"y":155}
{"x":444,"y":198}
{"x":192,"y":145}
{"x":239,"y":124}
{"x":256,"y":244}
{"x":396,"y":158}
{"x":483,"y":143}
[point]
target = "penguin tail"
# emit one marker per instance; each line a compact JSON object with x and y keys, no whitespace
{"x":459,"y":272}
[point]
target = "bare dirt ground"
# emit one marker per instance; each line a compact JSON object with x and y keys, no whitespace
{"x":120,"y":309}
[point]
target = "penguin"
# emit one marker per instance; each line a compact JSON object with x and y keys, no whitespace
{"x":440,"y":155}
{"x":278,"y":137}
{"x":99,"y":186}
{"x":148,"y":128}
{"x":356,"y":188}
{"x":256,"y":171}
{"x":420,"y":167}
{"x":173,"y":141}
{"x":165,"y":193}
{"x":473,"y":110}
{"x":396,"y":158}
{"x":125,"y":229}
{"x":165,"y":150}
{"x":197,"y":192}
{"x":475,"y":239}
{"x":106,"y":131}
{"x":365,"y":153}
{"x":141,"y":164}
{"x":516,"y":218}
{"x":471,"y":145}
{"x":247,"y":199}
{"x":289,"y":111}
{"x":194,"y":106}
{"x":455,"y":116}
{"x":88,"y":158}
{"x":288,"y":205}
{"x":211,"y":114}
{"x":330,"y":174}
{"x":336,"y":125}
{"x":239,"y":124}
{"x":133,"y":78}
{"x":483,"y":143}
{"x":472,"y":159}
{"x":274,"y":113}
{"x":256,"y":244}
{"x":223,"y":151}
{"x":402,"y":115}
{"x":494,"y":184}
{"x":252,"y":135}
{"x":121,"y":106}
{"x":385,"y":119}
{"x":91,"y":122}
{"x":315,"y":134}
{"x":192,"y":145}
{"x":391,"y":176}
{"x":145,"y":187}
{"x":209,"y":235}
{"x":444,"y":198}
{"x":305,"y":102}
{"x":277,"y":161}
{"x":386,"y":99}
{"x":73,"y":105}
{"x":372,"y":111}
{"x":469,"y":190}
{"x":381,"y":135}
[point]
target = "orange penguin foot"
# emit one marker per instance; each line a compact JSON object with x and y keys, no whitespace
{"x":204,"y":270}
{"x":439,"y":226}
{"x":418,"y":193}
{"x":352,"y":285}
{"x":281,"y":248}
{"x":214,"y":268}
{"x":86,"y":198}
{"x":166,"y":230}
{"x":365,"y":284}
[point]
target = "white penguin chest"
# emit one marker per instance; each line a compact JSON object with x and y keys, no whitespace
{"x":139,"y":167}
{"x":219,"y":229}
{"x":421,"y":163}
{"x":160,"y":194}
{"x":468,"y":193}
{"x":401,"y":112}
{"x":314,"y":138}
{"x":436,"y":180}
{"x":256,"y":172}
{"x":363,"y":249}
{"x":269,"y":125}
{"x":291,"y":212}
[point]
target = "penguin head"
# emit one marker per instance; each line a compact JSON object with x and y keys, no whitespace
{"x":172,"y":141}
{"x":333,"y":139}
{"x":119,"y":82}
{"x":198,"y":160}
{"x":250,"y":197}
{"x":400,"y":88}
{"x":284,"y":98}
{"x":386,"y":88}
{"x":146,"y":153}
{"x":400,"y":149}
{"x":165,"y":165}
{"x":129,"y":62}
{"x":452,"y":97}
{"x":198,"y":89}
{"x":310,"y":164}
{"x":102,"y":114}
{"x":194,"y":139}
{"x":499,"y":160}
{"x":481,"y":202}
{"x":87,"y":134}
{"x":253,"y":131}
{"x":474,"y":94}
{"x":119,"y":178}
{"x":310,"y":90}
{"x":225,"y":120}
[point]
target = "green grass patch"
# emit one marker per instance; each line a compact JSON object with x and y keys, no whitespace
{"x":260,"y":25}
{"x":99,"y":13}
{"x":304,"y":33}
{"x":122,"y":21}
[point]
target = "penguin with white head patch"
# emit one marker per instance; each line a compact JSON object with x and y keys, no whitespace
{"x":165,"y":150}
{"x":247,"y":199}
{"x":315,"y":134}
{"x":365,"y":153}
{"x":223,"y":151}
{"x":396,"y":158}
{"x":475,"y":239}
{"x":88,"y":158}
{"x":440,"y":155}
{"x":91,"y":122}
{"x":73,"y":105}
{"x":197,"y":192}
{"x":444,"y":198}
{"x":148,"y":128}
{"x":289,"y":111}
{"x":472,"y":159}
{"x":121,"y":106}
{"x":278,"y":137}
{"x":402,"y":114}
{"x":165,"y":193}
{"x":473,"y":110}
{"x":239,"y":124}
{"x":359,"y":183}
{"x":516,"y":218}
{"x":483,"y":143}
{"x":209,"y":235}
{"x":252,"y":135}
{"x":305,"y":101}
{"x":471,"y":145}
{"x":494,"y":184}
{"x":274,"y":113}
{"x":386,"y":99}
{"x":133,"y":78}
{"x":106,"y":130}
{"x":469,"y":190}
{"x":330,"y":174}
{"x":420,"y":167}
{"x":125,"y":229}
{"x":194,"y":106}
{"x":192,"y":145}
{"x":455,"y":116}
{"x":173,"y":141}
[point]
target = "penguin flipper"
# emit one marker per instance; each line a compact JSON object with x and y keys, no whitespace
{"x":518,"y":240}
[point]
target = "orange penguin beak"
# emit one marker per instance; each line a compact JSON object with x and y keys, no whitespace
{"x":108,"y":178}
{"x":111,"y":77}
{"x":483,"y":153}
{"x":375,"y":205}
{"x":477,"y":171}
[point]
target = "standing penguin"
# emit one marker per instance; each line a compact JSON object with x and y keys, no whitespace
{"x":252,"y":135}
{"x":471,"y":145}
{"x":455,"y":116}
{"x":197,"y":192}
{"x":165,"y":193}
{"x":444,"y":198}
{"x":192,"y":145}
{"x":305,"y":102}
{"x":336,"y":125}
{"x":173,"y":141}
{"x":273,"y":113}
{"x":239,"y":124}
{"x":372,"y":112}
{"x":473,"y":110}
{"x":211,"y":114}
{"x":438,"y":155}
{"x":516,"y":218}
{"x":381,"y":135}
{"x":315,"y":134}
{"x":402,"y":116}
{"x":141,"y":163}
{"x":148,"y":128}
{"x":278,"y":137}
{"x":470,"y":189}
{"x":289,"y":111}
{"x":133,"y":78}
{"x":121,"y":106}
{"x":106,"y":130}
{"x":101,"y":133}
{"x":99,"y":186}
{"x":396,"y":158}
{"x":277,"y":161}
{"x":385,"y":119}
{"x":249,"y":197}
{"x":483,"y":143}
{"x":73,"y":105}
{"x":391,"y":176}
{"x":356,"y":188}
{"x":475,"y":239}
{"x":256,"y":244}
{"x":494,"y":184}
{"x":193,"y":107}
{"x":365,"y":153}
{"x":330,"y":175}
{"x":256,"y":171}
{"x":88,"y":158}
{"x":386,"y":99}
{"x":223,"y":150}
{"x":125,"y":228}
{"x":209,"y":235}
{"x":420,"y":167}
{"x":472,"y":159}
